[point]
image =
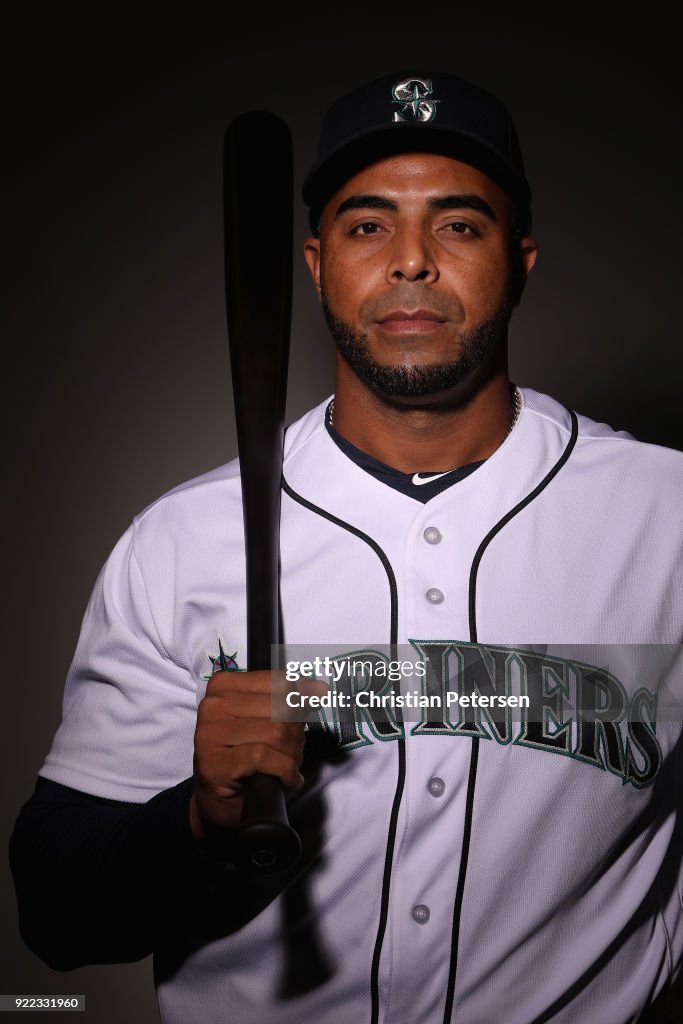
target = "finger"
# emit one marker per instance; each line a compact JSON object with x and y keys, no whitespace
{"x":237,"y":704}
{"x":224,"y":769}
{"x":312,"y":686}
{"x":239,"y":682}
{"x":274,"y":682}
{"x":288,"y":738}
{"x":245,"y":705}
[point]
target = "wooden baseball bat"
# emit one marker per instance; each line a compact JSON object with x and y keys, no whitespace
{"x":258,"y":217}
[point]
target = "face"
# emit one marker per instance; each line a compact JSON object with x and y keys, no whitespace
{"x":418,"y":273}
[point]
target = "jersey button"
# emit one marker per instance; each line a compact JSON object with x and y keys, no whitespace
{"x":432,"y":535}
{"x":436,"y":786}
{"x":421,"y":913}
{"x":434,"y":596}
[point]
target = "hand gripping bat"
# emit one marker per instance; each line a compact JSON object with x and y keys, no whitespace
{"x":258,"y":187}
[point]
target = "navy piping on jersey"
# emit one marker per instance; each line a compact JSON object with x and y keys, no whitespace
{"x":476,"y":561}
{"x":400,"y":782}
{"x":474,"y":756}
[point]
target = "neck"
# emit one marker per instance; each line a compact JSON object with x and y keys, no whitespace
{"x":466,"y":426}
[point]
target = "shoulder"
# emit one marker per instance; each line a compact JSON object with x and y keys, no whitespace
{"x":600,"y":450}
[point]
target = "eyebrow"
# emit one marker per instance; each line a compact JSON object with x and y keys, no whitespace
{"x":365,"y":203}
{"x":466,"y":201}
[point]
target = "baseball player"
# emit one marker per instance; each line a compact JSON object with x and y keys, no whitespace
{"x":512,"y":855}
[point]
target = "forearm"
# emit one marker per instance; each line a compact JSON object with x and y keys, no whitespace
{"x":99,"y":881}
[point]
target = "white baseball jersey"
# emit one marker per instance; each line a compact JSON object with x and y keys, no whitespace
{"x":472,"y":867}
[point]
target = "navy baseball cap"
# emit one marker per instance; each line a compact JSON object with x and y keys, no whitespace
{"x":417,"y":112}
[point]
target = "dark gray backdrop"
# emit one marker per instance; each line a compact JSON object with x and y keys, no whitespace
{"x":118,"y":385}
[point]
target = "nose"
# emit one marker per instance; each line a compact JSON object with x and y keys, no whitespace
{"x":411,"y":257}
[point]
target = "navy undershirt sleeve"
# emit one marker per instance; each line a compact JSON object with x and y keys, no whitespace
{"x":100,"y":881}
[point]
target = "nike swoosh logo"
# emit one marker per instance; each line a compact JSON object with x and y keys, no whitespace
{"x":420,"y":480}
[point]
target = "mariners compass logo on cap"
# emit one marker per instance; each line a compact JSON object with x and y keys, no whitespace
{"x":400,"y":113}
{"x":414,"y":96}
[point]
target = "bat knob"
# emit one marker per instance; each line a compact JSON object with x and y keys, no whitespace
{"x":266,"y":843}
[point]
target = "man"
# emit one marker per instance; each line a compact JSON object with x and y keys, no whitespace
{"x":455,"y":867}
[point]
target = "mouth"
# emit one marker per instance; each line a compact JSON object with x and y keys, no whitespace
{"x":404,"y":321}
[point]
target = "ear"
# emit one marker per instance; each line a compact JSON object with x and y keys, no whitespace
{"x":312,"y":257}
{"x":529,"y":251}
{"x":522,"y":264}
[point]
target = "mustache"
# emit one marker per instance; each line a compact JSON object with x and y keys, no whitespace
{"x":412,"y":296}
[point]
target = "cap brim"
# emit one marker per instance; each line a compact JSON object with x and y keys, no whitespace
{"x":342,"y":163}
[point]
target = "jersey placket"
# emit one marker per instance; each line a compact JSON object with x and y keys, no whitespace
{"x":416,"y":958}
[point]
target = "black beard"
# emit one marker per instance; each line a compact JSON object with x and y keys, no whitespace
{"x":477,"y":348}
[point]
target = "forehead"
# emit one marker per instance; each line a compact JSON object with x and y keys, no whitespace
{"x":419,"y":176}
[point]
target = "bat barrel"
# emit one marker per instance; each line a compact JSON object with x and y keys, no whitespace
{"x":258,"y":211}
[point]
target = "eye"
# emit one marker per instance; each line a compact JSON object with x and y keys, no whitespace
{"x":365,"y":229}
{"x":459,"y":227}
